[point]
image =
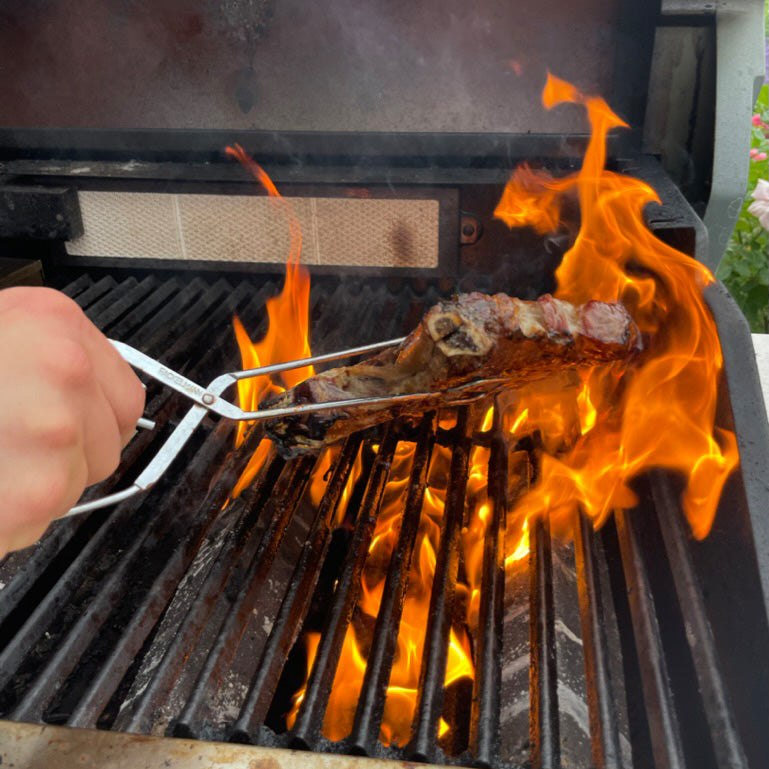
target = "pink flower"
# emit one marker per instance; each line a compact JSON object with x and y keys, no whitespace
{"x":761,"y":156}
{"x":756,"y":120}
{"x":760,"y":205}
{"x":753,"y":152}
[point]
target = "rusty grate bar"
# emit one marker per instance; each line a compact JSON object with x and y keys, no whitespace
{"x":663,"y":721}
{"x":484,"y":719}
{"x":368,"y":715}
{"x":100,"y":690}
{"x":235,"y":541}
{"x":295,"y":604}
{"x":278,"y":513}
{"x":184,"y":533}
{"x":433,"y":671}
{"x":309,"y":720}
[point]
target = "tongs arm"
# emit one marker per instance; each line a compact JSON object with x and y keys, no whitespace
{"x":205,"y":399}
{"x":210,"y":399}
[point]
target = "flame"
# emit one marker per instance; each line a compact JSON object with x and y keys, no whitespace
{"x":287,"y":336}
{"x":488,"y":419}
{"x":594,"y":430}
{"x":352,"y":479}
{"x":618,"y":422}
{"x":530,"y":198}
{"x":522,"y":548}
{"x":351,"y":668}
{"x":311,"y":643}
{"x":401,"y":695}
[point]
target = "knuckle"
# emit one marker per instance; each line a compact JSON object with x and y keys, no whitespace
{"x":40,"y":301}
{"x":56,"y":428}
{"x":69,"y":364}
{"x":47,"y":498}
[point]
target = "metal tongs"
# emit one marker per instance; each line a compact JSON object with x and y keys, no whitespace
{"x":209,"y":399}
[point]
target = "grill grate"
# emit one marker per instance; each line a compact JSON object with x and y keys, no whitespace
{"x":169,"y":615}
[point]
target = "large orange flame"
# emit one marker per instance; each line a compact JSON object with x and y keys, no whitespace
{"x":660,"y":413}
{"x":287,"y":336}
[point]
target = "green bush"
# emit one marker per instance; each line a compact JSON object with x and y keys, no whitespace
{"x":745,"y":266}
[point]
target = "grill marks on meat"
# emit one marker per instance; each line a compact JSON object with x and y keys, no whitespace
{"x":471,"y":337}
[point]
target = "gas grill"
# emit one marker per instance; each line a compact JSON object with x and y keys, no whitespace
{"x":183,"y":613}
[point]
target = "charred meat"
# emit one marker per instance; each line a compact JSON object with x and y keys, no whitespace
{"x":471,"y":337}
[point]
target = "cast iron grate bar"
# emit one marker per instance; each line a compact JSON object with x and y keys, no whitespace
{"x":77,"y":286}
{"x":133,"y":320}
{"x":95,"y":291}
{"x":77,"y":574}
{"x":309,"y":720}
{"x":726,"y":741}
{"x":230,"y":544}
{"x":663,"y":722}
{"x":80,"y":567}
{"x":484,"y":719}
{"x":433,"y":672}
{"x":112,"y":308}
{"x":278,"y":513}
{"x":156,"y":329}
{"x":296,"y":603}
{"x":603,"y":725}
{"x":545,"y":750}
{"x":368,"y":714}
{"x":97,"y":696}
{"x":63,"y":661}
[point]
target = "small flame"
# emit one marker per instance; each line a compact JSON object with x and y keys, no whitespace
{"x":460,"y":661}
{"x":311,"y":643}
{"x":488,"y":419}
{"x":588,"y":414}
{"x":352,"y":479}
{"x":522,"y":549}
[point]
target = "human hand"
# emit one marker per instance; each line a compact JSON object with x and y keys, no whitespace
{"x":68,"y":404}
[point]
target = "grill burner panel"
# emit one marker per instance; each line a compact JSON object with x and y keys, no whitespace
{"x":167,"y":616}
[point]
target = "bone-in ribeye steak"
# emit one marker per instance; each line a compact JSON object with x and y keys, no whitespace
{"x":473,"y":336}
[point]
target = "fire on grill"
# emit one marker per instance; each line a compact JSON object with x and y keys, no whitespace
{"x":594,"y":431}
